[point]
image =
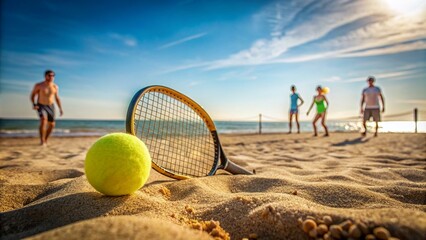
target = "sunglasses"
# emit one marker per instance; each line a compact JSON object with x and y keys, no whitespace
{"x":51,"y":75}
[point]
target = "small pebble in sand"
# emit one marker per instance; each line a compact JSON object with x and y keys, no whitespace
{"x":313,"y":233}
{"x":381,"y":233}
{"x":346,"y":224}
{"x":265,"y":213}
{"x":244,"y":200}
{"x":322,"y":229}
{"x":212,"y":224}
{"x":211,"y":227}
{"x":189,"y":209}
{"x":165,"y":191}
{"x":346,"y":229}
{"x":354,"y":231}
{"x":327,"y":220}
{"x":173,"y":215}
{"x":328,"y":236}
{"x":197,"y":226}
{"x":226,"y":209}
{"x":336,"y":231}
{"x":294,"y":192}
{"x":252,"y":236}
{"x":370,"y":237}
{"x":308,"y":225}
{"x":300,"y":222}
{"x":363,"y":227}
{"x":215,"y":233}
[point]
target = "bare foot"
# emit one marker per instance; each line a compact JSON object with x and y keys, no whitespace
{"x":315,"y":135}
{"x":364,"y":134}
{"x":326,"y":135}
{"x":375,"y":134}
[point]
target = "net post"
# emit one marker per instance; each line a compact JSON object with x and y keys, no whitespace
{"x":415,"y":119}
{"x":260,"y":123}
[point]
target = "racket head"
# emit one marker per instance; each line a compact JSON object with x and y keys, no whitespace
{"x":178,"y":132}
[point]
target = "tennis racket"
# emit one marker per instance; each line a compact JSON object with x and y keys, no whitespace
{"x":180,"y":135}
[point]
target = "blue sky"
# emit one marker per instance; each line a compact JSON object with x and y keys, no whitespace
{"x":236,"y":58}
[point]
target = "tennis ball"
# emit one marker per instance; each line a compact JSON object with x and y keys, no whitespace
{"x":117,"y":164}
{"x":325,"y":90}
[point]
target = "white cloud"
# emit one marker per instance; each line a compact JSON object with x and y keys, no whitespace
{"x":125,"y":39}
{"x":47,"y":58}
{"x":418,"y":45}
{"x":328,"y":29}
{"x":413,"y":101}
{"x":387,"y":75}
{"x":333,"y":79}
{"x":183,"y":40}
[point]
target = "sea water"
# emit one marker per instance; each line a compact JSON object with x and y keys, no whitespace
{"x":29,"y":127}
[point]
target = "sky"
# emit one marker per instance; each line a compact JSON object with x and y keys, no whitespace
{"x":237,"y":59}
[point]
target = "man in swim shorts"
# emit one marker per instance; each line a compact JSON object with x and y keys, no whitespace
{"x":370,"y":96}
{"x":47,"y":93}
{"x":294,"y":108}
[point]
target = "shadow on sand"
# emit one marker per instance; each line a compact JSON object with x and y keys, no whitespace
{"x":358,"y":140}
{"x":55,"y":213}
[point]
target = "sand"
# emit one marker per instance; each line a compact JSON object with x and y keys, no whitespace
{"x":375,"y":182}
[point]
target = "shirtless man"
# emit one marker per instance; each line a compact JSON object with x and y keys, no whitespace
{"x":47,"y":93}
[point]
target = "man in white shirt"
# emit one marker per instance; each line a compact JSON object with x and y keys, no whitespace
{"x":370,"y":96}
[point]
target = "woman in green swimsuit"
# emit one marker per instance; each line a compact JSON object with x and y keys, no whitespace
{"x":322,"y":104}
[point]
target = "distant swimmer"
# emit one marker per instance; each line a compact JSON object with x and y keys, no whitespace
{"x":294,"y":108}
{"x":322,"y":104}
{"x":46,"y":92}
{"x":370,"y":96}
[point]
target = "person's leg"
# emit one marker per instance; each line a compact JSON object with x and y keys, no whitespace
{"x":364,"y":124}
{"x":290,"y":119}
{"x":364,"y":121}
{"x":323,"y":125}
{"x":42,"y":130}
{"x":377,"y":128}
{"x":50,"y":126}
{"x":376,"y":118}
{"x":297,"y":122}
{"x":317,"y":116}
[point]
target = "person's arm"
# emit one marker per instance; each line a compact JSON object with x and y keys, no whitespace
{"x":326,"y":101}
{"x":362,"y":103}
{"x":313,"y":101}
{"x":383,"y":101}
{"x":301,"y":101}
{"x":58,"y":101}
{"x":34,"y":92}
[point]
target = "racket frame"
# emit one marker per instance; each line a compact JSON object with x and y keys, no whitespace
{"x":219,"y":153}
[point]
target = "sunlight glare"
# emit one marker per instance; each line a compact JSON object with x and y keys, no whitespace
{"x":405,"y":7}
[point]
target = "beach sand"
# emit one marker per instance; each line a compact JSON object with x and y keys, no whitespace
{"x":373,"y":182}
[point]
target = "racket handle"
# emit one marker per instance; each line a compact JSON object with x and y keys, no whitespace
{"x":235,"y":169}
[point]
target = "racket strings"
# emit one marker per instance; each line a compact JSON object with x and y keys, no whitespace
{"x":177,"y":137}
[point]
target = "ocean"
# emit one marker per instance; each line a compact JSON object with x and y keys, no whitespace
{"x":75,"y":128}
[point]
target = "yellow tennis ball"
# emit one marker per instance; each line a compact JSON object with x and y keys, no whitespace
{"x":325,"y":90}
{"x":117,"y":164}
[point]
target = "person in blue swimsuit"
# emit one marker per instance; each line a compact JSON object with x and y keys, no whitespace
{"x":294,"y":108}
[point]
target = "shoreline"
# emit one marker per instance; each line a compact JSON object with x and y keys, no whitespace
{"x":94,"y":135}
